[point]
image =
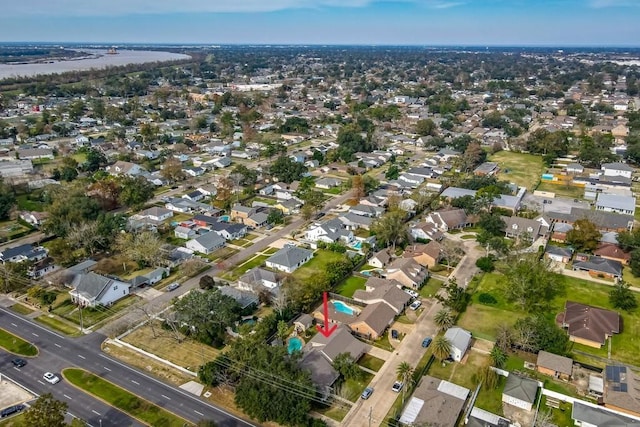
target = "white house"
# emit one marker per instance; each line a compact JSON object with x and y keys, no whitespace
{"x":329,"y":232}
{"x":156,"y":214}
{"x":289,"y":259}
{"x":460,"y":341}
{"x":617,"y":169}
{"x":206,"y":243}
{"x":91,"y":290}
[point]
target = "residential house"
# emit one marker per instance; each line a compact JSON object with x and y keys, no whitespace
{"x":366,"y":210}
{"x":588,"y":325}
{"x":554,"y":365}
{"x":184,"y":232}
{"x":586,"y":414}
{"x":221,"y":162}
{"x":425,"y":231}
{"x":34,"y":218}
{"x":558,"y":254}
{"x":427,"y":255}
{"x":288,"y":207}
{"x":205,"y":220}
{"x":34,"y":153}
{"x":331,"y":231}
{"x":239,"y":213}
{"x":156,"y":213}
{"x":460,"y":341}
{"x":124,"y":168}
{"x":617,"y":169}
{"x":92,"y":290}
{"x":574,"y":168}
{"x":257,"y":277}
{"x":520,"y":392}
{"x":195,"y":196}
{"x":599,"y":267}
{"x":612,"y":252}
{"x":26,"y":252}
{"x":560,"y":231}
{"x":243,"y":298}
{"x":150,"y":278}
{"x":621,"y":390}
{"x":625,"y":205}
{"x":373,"y":320}
{"x":486,"y":169}
{"x":228,"y":230}
{"x":328,"y":183}
{"x":340,"y":341}
{"x":303,"y":322}
{"x":604,"y":221}
{"x":289,"y":259}
{"x":267,"y":190}
{"x":529,"y":229}
{"x":408,"y":272}
{"x":41,"y":268}
{"x":259,"y":219}
{"x":435,"y":402}
{"x":380,"y":259}
{"x":447,"y":220}
{"x":481,"y":418}
{"x":83,"y":267}
{"x":354,"y":222}
{"x":206,"y":243}
{"x":387,"y":292}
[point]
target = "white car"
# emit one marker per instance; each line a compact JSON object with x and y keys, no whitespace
{"x":414,"y":305}
{"x":411,"y":292}
{"x":51,"y":378}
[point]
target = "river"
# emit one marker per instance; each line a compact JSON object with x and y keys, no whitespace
{"x":99,"y":59}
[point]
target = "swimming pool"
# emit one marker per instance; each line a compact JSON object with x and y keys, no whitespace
{"x":341,"y":307}
{"x":357,"y":245}
{"x":224,"y":218}
{"x":294,"y":344}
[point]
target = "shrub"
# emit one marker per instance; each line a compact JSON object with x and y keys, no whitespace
{"x":485,"y":298}
{"x":485,"y":264}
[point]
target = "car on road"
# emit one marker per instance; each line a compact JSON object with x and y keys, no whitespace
{"x":51,"y":378}
{"x":11,"y":410}
{"x":426,"y":342}
{"x":397,"y":386}
{"x":414,"y":305}
{"x":173,"y":286}
{"x":367,"y":393}
{"x":19,"y":363}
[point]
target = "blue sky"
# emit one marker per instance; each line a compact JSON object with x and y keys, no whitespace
{"x":422,"y":22}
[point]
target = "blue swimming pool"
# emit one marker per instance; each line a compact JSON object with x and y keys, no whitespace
{"x":224,"y":218}
{"x":357,"y":245}
{"x":547,"y":176}
{"x":294,"y":344}
{"x":342,"y":308}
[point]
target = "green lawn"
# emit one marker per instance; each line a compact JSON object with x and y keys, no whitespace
{"x":246,"y":266}
{"x":371,"y":362}
{"x":127,"y":402}
{"x":483,"y":319}
{"x":58,"y":325}
{"x":12,"y":229}
{"x":16,"y":345}
{"x":522,"y":169}
{"x":352,"y":389}
{"x":562,"y":190}
{"x":15,"y":421}
{"x":270,"y":251}
{"x":430,"y":288}
{"x":21,"y":309}
{"x":25,"y":204}
{"x":350,"y":285}
{"x":91,"y":316}
{"x":317,"y":265}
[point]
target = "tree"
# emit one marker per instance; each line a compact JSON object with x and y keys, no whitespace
{"x":485,"y":264}
{"x":172,"y":170}
{"x":7,"y":200}
{"x":283,"y":330}
{"x":456,"y":297}
{"x":206,"y":282}
{"x":444,"y":319}
{"x":537,"y":333}
{"x":498,"y":357}
{"x":404,"y":374}
{"x":426,"y":127}
{"x":46,"y":411}
{"x":391,"y":228}
{"x":68,"y":206}
{"x":393,"y":172}
{"x":287,"y":170}
{"x":357,"y":188}
{"x":530,"y":283}
{"x":275,"y":217}
{"x":584,"y":236}
{"x":347,"y":367}
{"x":492,"y":224}
{"x":622,"y":297}
{"x":473,"y":156}
{"x":136,"y":191}
{"x":441,"y":348}
{"x":143,"y":247}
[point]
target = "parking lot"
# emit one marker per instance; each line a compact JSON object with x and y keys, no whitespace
{"x":561,"y":205}
{"x":11,"y":394}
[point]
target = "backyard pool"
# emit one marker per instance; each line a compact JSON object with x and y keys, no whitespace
{"x":294,"y":344}
{"x":341,"y":307}
{"x":224,"y":218}
{"x":357,"y":245}
{"x":368,"y":272}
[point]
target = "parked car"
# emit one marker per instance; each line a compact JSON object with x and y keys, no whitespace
{"x":411,"y":292}
{"x":18,"y":363}
{"x":51,"y":378}
{"x":394,"y":334}
{"x":426,"y":342}
{"x":367,"y":393}
{"x":173,"y":286}
{"x":397,"y":386}
{"x":414,"y":305}
{"x":11,"y":410}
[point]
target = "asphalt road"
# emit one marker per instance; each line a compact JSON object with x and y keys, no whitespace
{"x":58,"y":352}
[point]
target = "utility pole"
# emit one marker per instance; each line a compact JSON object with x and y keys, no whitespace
{"x":81,"y":323}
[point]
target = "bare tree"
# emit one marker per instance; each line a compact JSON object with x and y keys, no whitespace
{"x":281,"y":301}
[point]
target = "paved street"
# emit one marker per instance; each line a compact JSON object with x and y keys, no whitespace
{"x":58,"y":352}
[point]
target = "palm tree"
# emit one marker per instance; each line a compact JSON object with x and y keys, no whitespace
{"x":404,"y":373}
{"x":443,"y":319}
{"x":498,"y":357}
{"x":441,"y":348}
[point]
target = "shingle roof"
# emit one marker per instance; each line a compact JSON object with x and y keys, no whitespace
{"x":554,"y":362}
{"x":524,"y":389}
{"x":289,"y":256}
{"x":458,"y":337}
{"x":590,"y":323}
{"x":210,"y":240}
{"x":377,"y":316}
{"x":601,"y":265}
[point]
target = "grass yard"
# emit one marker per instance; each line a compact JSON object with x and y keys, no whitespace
{"x":562,"y":190}
{"x":26,"y":204}
{"x":270,"y":251}
{"x":21,"y":309}
{"x":127,"y":402}
{"x":430,"y":288}
{"x":317,"y":265}
{"x":58,"y":324}
{"x":16,"y":421}
{"x":521,"y":169}
{"x":188,"y":353}
{"x":246,"y":266}
{"x":11,"y":229}
{"x":371,"y":362}
{"x":336,"y":412}
{"x":351,"y":389}
{"x":91,"y":316}
{"x":16,"y":345}
{"x":222,"y":254}
{"x":350,"y":285}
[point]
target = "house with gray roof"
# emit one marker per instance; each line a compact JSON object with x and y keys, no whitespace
{"x":340,"y":341}
{"x":327,"y":183}
{"x":558,"y":254}
{"x":625,"y":205}
{"x":330,"y":231}
{"x":588,"y":415}
{"x":517,"y":227}
{"x":257,"y":277}
{"x":387,"y":293}
{"x":322,"y":372}
{"x":520,"y":392}
{"x":373,"y":320}
{"x":353,"y":222}
{"x":435,"y":402}
{"x":206,"y":243}
{"x":460,"y":341}
{"x":26,"y":252}
{"x":366,"y":210}
{"x":554,"y":365}
{"x":92,"y":290}
{"x":289,"y":259}
{"x":598,"y":266}
{"x":616,"y":169}
{"x":243,"y":298}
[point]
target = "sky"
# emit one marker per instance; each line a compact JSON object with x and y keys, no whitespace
{"x":369,"y":22}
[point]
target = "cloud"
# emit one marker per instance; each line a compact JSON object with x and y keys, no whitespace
{"x":133,"y":7}
{"x":601,"y":4}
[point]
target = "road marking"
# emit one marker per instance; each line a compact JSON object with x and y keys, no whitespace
{"x":95,"y":412}
{"x":199,"y":413}
{"x":81,"y":356}
{"x":8,"y":312}
{"x":106,"y":369}
{"x":166,"y":397}
{"x":135,"y":382}
{"x":68,"y":397}
{"x":16,"y":368}
{"x":41,"y":382}
{"x":57,"y":345}
{"x":14,"y":324}
{"x":34,"y":334}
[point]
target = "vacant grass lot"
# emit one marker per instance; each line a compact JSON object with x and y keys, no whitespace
{"x":10,"y":229}
{"x":523,"y":169}
{"x":246,"y":266}
{"x":187,"y":353}
{"x":350,"y":285}
{"x":122,"y":399}
{"x":58,"y":325}
{"x":317,"y":265}
{"x":16,"y":345}
{"x":482,"y":319}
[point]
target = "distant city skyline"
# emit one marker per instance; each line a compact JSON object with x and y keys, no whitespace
{"x":391,"y":22}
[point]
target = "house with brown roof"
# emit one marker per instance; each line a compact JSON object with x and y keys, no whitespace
{"x":380,"y":259}
{"x":427,"y":255}
{"x":588,"y":325}
{"x":408,"y":272}
{"x":387,"y":292}
{"x":436,"y":403}
{"x":555,"y":366}
{"x":517,"y":227}
{"x":621,"y":390}
{"x":612,"y":252}
{"x":373,"y":320}
{"x":447,"y":220}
